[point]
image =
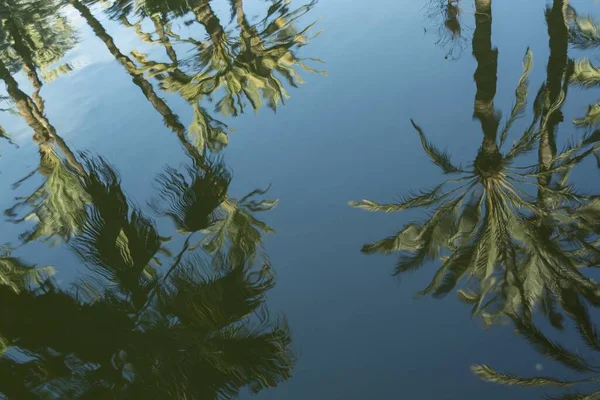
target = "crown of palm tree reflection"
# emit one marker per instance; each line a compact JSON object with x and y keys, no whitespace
{"x":123,"y":245}
{"x":487,"y":215}
{"x":208,"y":327}
{"x":204,"y":131}
{"x":193,"y":199}
{"x":244,"y":66}
{"x":122,"y":248}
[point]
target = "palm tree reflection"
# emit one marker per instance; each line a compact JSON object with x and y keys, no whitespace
{"x":246,"y":67}
{"x":39,"y":36}
{"x":486,"y":215}
{"x":147,"y":320}
{"x":576,"y":228}
{"x":519,"y":235}
{"x":57,"y":205}
{"x":199,"y":202}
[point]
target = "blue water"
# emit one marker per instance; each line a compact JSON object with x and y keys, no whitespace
{"x":356,"y":330}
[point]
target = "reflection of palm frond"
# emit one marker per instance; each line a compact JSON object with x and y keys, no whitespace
{"x":520,"y":96}
{"x":237,"y":229}
{"x":51,"y":75}
{"x":119,"y":244}
{"x":585,"y":74}
{"x":235,"y":353}
{"x":592,"y":118}
{"x":57,"y":206}
{"x":205,"y":131}
{"x":488,"y":374}
{"x":586,"y":33}
{"x":18,"y":276}
{"x":201,"y":324}
{"x":194,"y":201}
{"x":550,"y":348}
{"x":441,"y":159}
{"x":6,"y":136}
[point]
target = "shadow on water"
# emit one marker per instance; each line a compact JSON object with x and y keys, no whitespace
{"x":151,"y":316}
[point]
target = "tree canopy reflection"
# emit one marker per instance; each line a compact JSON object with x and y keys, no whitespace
{"x":153,"y":316}
{"x":245,"y":65}
{"x":130,"y":328}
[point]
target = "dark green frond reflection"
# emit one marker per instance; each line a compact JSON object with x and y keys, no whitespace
{"x":198,"y":201}
{"x":214,"y":339}
{"x":193,"y":197}
{"x":144,"y":322}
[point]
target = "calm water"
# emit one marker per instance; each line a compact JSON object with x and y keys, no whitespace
{"x":332,"y":200}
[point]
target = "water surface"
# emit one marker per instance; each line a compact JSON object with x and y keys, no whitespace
{"x":291,"y":200}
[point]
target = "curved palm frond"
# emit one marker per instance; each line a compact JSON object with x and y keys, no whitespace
{"x":585,"y":33}
{"x":592,"y":117}
{"x":489,"y":374}
{"x":520,"y":96}
{"x":585,"y":74}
